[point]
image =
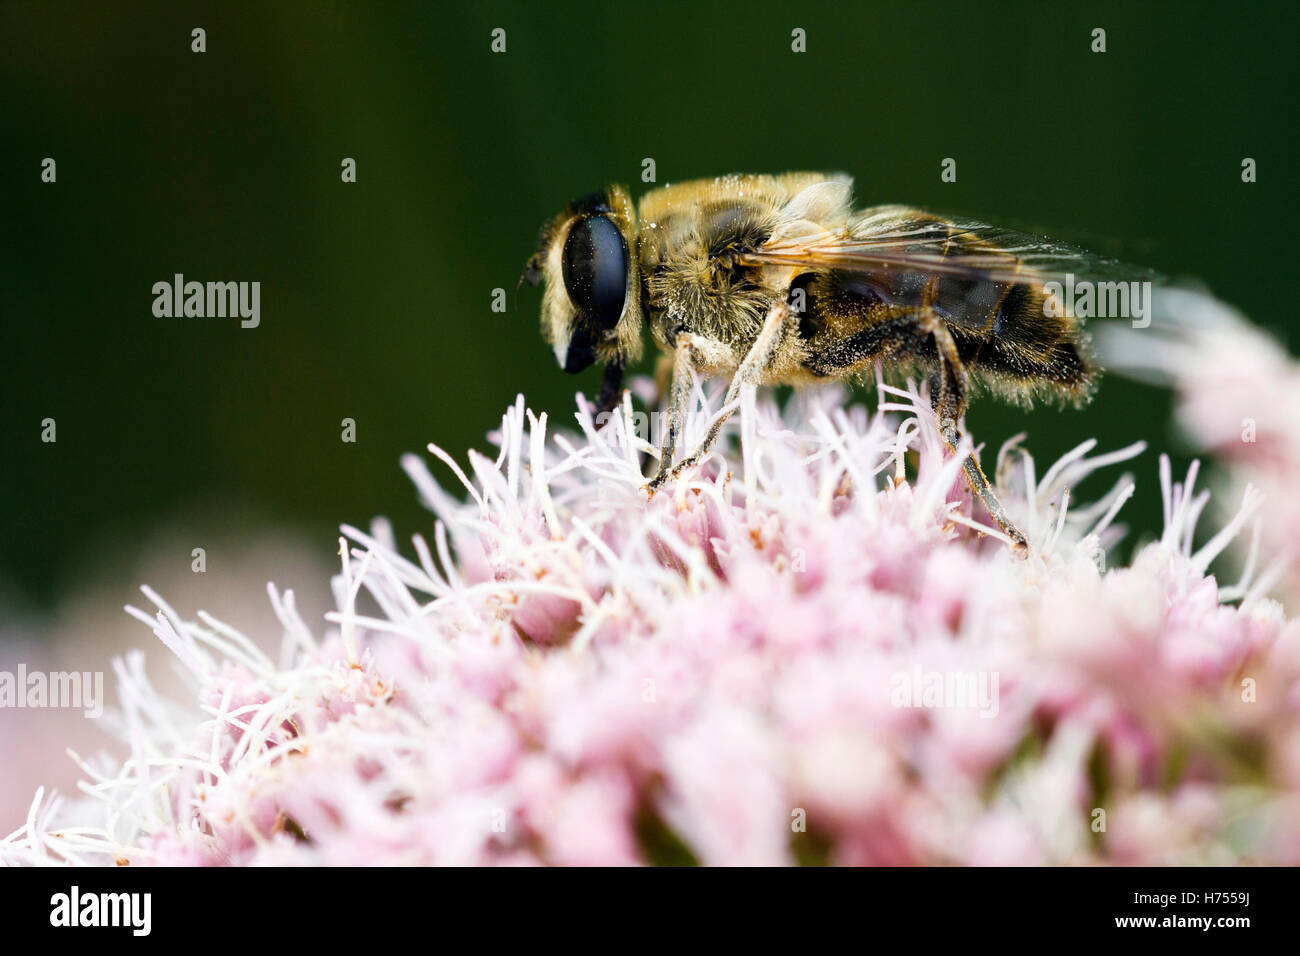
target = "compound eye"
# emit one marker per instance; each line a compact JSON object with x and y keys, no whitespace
{"x":595,"y":267}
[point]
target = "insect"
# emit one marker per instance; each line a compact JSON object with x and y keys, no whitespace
{"x":779,"y":280}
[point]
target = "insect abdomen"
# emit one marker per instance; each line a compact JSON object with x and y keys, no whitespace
{"x":1003,"y":334}
{"x":1023,"y":346}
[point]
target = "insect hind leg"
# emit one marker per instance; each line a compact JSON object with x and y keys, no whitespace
{"x":948,"y":394}
{"x":910,"y":334}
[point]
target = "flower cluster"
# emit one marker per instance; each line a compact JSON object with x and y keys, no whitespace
{"x":809,"y":650}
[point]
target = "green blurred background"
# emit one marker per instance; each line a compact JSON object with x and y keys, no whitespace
{"x":376,"y":295}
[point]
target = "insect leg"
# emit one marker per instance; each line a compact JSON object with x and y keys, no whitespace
{"x":611,"y":389}
{"x":677,"y":402}
{"x":749,"y":373}
{"x":904,"y":331}
{"x":948,"y":394}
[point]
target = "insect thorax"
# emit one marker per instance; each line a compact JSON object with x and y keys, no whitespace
{"x":691,"y":281}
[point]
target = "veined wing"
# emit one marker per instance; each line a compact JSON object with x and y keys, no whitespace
{"x":891,"y":240}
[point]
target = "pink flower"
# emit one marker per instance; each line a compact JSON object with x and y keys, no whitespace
{"x":811,"y":650}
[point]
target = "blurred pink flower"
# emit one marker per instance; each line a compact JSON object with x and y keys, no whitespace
{"x":1237,"y":393}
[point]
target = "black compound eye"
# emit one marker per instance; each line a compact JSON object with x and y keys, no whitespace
{"x":595,"y":270}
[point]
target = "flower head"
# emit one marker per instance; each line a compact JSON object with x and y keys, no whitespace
{"x":809,"y":650}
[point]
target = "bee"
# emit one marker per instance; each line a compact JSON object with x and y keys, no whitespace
{"x":779,"y":280}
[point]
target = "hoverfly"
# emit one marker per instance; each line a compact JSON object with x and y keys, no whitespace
{"x":779,"y":280}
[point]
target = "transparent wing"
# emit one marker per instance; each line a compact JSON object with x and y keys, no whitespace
{"x":893,"y":240}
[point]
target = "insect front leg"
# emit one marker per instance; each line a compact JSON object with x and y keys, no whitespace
{"x":611,"y":389}
{"x":750,"y":373}
{"x":948,"y":390}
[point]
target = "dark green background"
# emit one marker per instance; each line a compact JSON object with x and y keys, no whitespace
{"x":375,"y":296}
